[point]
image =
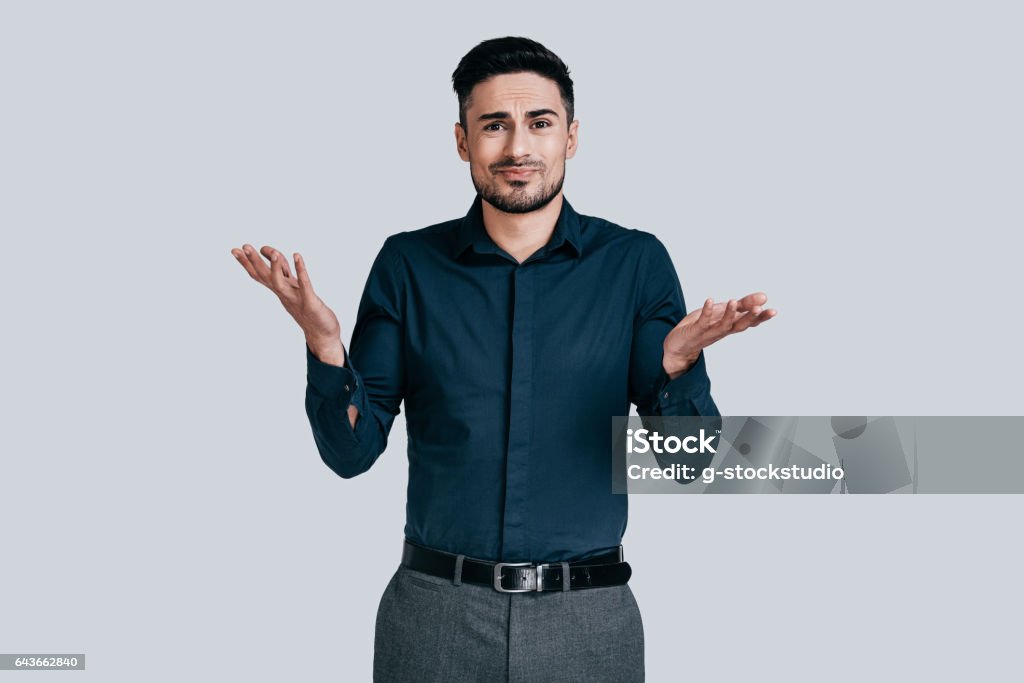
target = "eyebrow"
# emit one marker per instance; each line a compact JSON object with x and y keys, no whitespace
{"x":530,"y":114}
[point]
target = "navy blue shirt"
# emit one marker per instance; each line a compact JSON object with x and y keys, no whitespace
{"x":510,"y":373}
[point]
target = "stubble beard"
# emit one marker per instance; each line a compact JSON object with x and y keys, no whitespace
{"x":518,"y":200}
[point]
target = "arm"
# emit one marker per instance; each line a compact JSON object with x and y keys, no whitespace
{"x":686,"y":391}
{"x":351,"y":412}
{"x":661,"y":308}
{"x":371,"y":381}
{"x":679,"y":386}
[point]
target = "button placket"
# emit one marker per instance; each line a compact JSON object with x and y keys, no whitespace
{"x":514,"y":536}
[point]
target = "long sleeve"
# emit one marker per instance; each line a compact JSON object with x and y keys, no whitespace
{"x":373,"y":378}
{"x":661,"y":308}
{"x":651,"y":390}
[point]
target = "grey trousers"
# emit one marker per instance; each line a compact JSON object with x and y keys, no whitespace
{"x":430,"y":630}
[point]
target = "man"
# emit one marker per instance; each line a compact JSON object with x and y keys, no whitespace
{"x":513,"y":335}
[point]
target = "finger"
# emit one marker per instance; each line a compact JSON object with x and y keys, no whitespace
{"x":765,"y":315}
{"x":718,"y":309}
{"x":259,"y":266}
{"x":270,"y":252}
{"x":751,"y":300}
{"x":240,"y":257}
{"x":748,"y":319}
{"x":276,"y":270}
{"x":305,"y":285}
{"x":707,"y":313}
{"x":754,"y":318}
{"x":720,"y":326}
{"x":729,"y":315}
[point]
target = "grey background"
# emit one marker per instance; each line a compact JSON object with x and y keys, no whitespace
{"x":163,"y":507}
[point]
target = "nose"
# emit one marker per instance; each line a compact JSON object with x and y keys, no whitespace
{"x":518,"y":145}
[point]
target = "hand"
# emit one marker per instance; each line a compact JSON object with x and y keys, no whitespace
{"x":317,"y":320}
{"x":706,"y":325}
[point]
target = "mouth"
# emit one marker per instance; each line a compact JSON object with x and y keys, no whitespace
{"x":517,"y":173}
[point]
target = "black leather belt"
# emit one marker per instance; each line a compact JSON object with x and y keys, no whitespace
{"x":608,"y":569}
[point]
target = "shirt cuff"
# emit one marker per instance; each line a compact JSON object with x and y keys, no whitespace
{"x":676,"y":393}
{"x":334,"y":383}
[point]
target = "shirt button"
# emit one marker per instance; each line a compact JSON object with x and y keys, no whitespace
{"x":665,"y":395}
{"x":346,"y":387}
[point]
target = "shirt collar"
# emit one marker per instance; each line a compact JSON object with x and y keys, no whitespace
{"x":471,"y":230}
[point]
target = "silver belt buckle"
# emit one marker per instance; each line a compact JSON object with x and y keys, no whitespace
{"x":497,"y":577}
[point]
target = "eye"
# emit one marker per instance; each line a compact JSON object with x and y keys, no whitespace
{"x":490,"y":126}
{"x":546,"y":124}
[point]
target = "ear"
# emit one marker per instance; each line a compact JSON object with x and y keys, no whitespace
{"x":573,"y":141}
{"x":461,"y":143}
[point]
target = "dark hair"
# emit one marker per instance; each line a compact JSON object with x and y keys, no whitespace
{"x":509,"y":55}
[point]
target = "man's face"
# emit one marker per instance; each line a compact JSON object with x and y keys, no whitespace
{"x":516,"y":141}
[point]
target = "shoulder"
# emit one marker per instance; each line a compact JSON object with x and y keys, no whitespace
{"x":421,"y":237}
{"x":409,"y":246}
{"x":601,"y":234}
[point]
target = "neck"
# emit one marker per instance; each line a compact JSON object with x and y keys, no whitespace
{"x":521,"y":234}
